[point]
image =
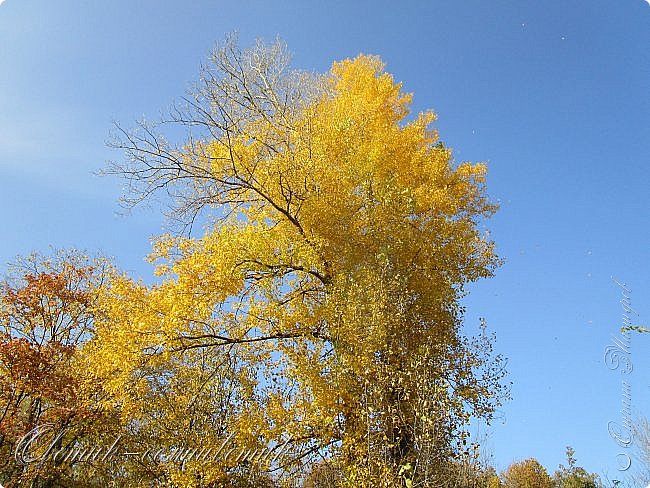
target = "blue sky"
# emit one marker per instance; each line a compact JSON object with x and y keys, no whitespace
{"x":554,"y":95}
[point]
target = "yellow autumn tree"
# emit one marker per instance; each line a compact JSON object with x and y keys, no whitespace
{"x":339,"y":237}
{"x":526,"y":474}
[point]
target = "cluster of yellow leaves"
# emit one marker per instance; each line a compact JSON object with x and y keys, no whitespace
{"x":329,"y":288}
{"x":526,"y":474}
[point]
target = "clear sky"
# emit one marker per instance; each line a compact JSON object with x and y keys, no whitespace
{"x":554,"y":95}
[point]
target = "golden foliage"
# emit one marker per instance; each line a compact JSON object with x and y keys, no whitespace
{"x":323,"y":301}
{"x":526,"y":474}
